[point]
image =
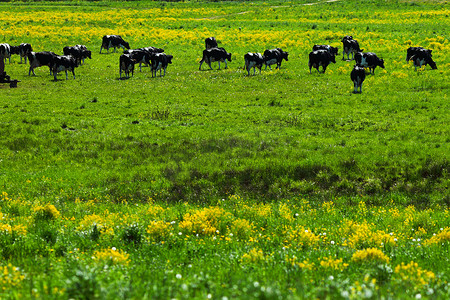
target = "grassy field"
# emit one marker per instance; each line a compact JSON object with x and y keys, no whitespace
{"x":212,"y":183}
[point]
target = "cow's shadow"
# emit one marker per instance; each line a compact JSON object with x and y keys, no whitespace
{"x":123,"y":78}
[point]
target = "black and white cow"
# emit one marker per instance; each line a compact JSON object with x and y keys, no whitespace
{"x":414,"y":50}
{"x":38,"y":59}
{"x":159,"y":61}
{"x":215,"y":54}
{"x":23,"y":50}
{"x":79,"y":52}
{"x":320,"y":58}
{"x":332,"y":50}
{"x":5,"y":51}
{"x":253,"y":60}
{"x":423,"y":57}
{"x":274,"y":56}
{"x":64,"y":63}
{"x":350,"y":46}
{"x":143,"y":55}
{"x":370,"y":60}
{"x":210,"y":43}
{"x":126,"y":64}
{"x":357,"y":75}
{"x":113,"y":41}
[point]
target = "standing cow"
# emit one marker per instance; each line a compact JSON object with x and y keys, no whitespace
{"x":357,"y":75}
{"x":414,"y":50}
{"x":64,"y":63}
{"x":423,"y":57}
{"x":38,"y":59}
{"x":160,"y":61}
{"x":369,"y":60}
{"x":253,"y":60}
{"x":113,"y":41}
{"x":215,"y":54}
{"x":275,"y":56}
{"x":350,"y":46}
{"x":320,"y":58}
{"x":126,"y":64}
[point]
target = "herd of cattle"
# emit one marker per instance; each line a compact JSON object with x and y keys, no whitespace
{"x":157,"y":59}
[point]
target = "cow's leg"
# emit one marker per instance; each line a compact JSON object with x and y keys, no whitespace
{"x":73,"y":72}
{"x":226,"y":64}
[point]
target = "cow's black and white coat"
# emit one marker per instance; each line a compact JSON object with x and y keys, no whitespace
{"x":357,"y":75}
{"x":39,"y":59}
{"x":320,"y":58}
{"x":79,"y":52}
{"x":275,"y":56}
{"x":23,"y":50}
{"x":143,"y":55}
{"x":126,"y":64}
{"x":350,"y":46}
{"x":210,"y":43}
{"x":64,"y":63}
{"x":253,"y":60}
{"x":113,"y":41}
{"x":332,"y":50}
{"x":215,"y":54}
{"x":423,"y":57}
{"x":5,"y":51}
{"x":369,"y":60}
{"x":414,"y":50}
{"x":160,"y":61}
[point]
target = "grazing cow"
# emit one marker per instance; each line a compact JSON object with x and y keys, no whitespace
{"x":159,"y":61}
{"x":350,"y":46}
{"x":370,"y":60}
{"x":38,"y":59}
{"x":64,"y":63}
{"x":79,"y":52}
{"x":126,"y":64}
{"x":210,"y":43}
{"x":358,"y":75}
{"x":23,"y":50}
{"x":414,"y":50}
{"x":423,"y":57}
{"x":320,"y":58}
{"x":215,"y":54}
{"x":5,"y":51}
{"x":143,"y":55}
{"x":253,"y":60}
{"x":274,"y":56}
{"x":332,"y":50}
{"x":113,"y":41}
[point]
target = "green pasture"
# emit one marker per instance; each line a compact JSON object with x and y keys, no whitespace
{"x":215,"y":184}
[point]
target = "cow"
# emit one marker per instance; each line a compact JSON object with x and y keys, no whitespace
{"x":350,"y":46}
{"x":320,"y":58}
{"x":38,"y":59}
{"x":126,"y":64}
{"x":274,"y":56}
{"x":24,"y":49}
{"x":64,"y":63}
{"x":357,"y":75}
{"x":370,"y":60}
{"x":143,"y":55}
{"x":5,"y":51}
{"x":332,"y":50}
{"x":215,"y":54}
{"x":253,"y":60}
{"x":413,"y":50}
{"x":210,"y":43}
{"x":423,"y":57}
{"x":159,"y":61}
{"x":79,"y":52}
{"x":113,"y":41}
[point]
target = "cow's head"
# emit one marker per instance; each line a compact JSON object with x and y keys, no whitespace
{"x":88,"y":54}
{"x":169,"y":59}
{"x":381,"y":63}
{"x":347,"y":38}
{"x":334,"y":50}
{"x":228,"y":56}
{"x":284,"y":55}
{"x":332,"y":58}
{"x":432,"y":64}
{"x":126,"y":45}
